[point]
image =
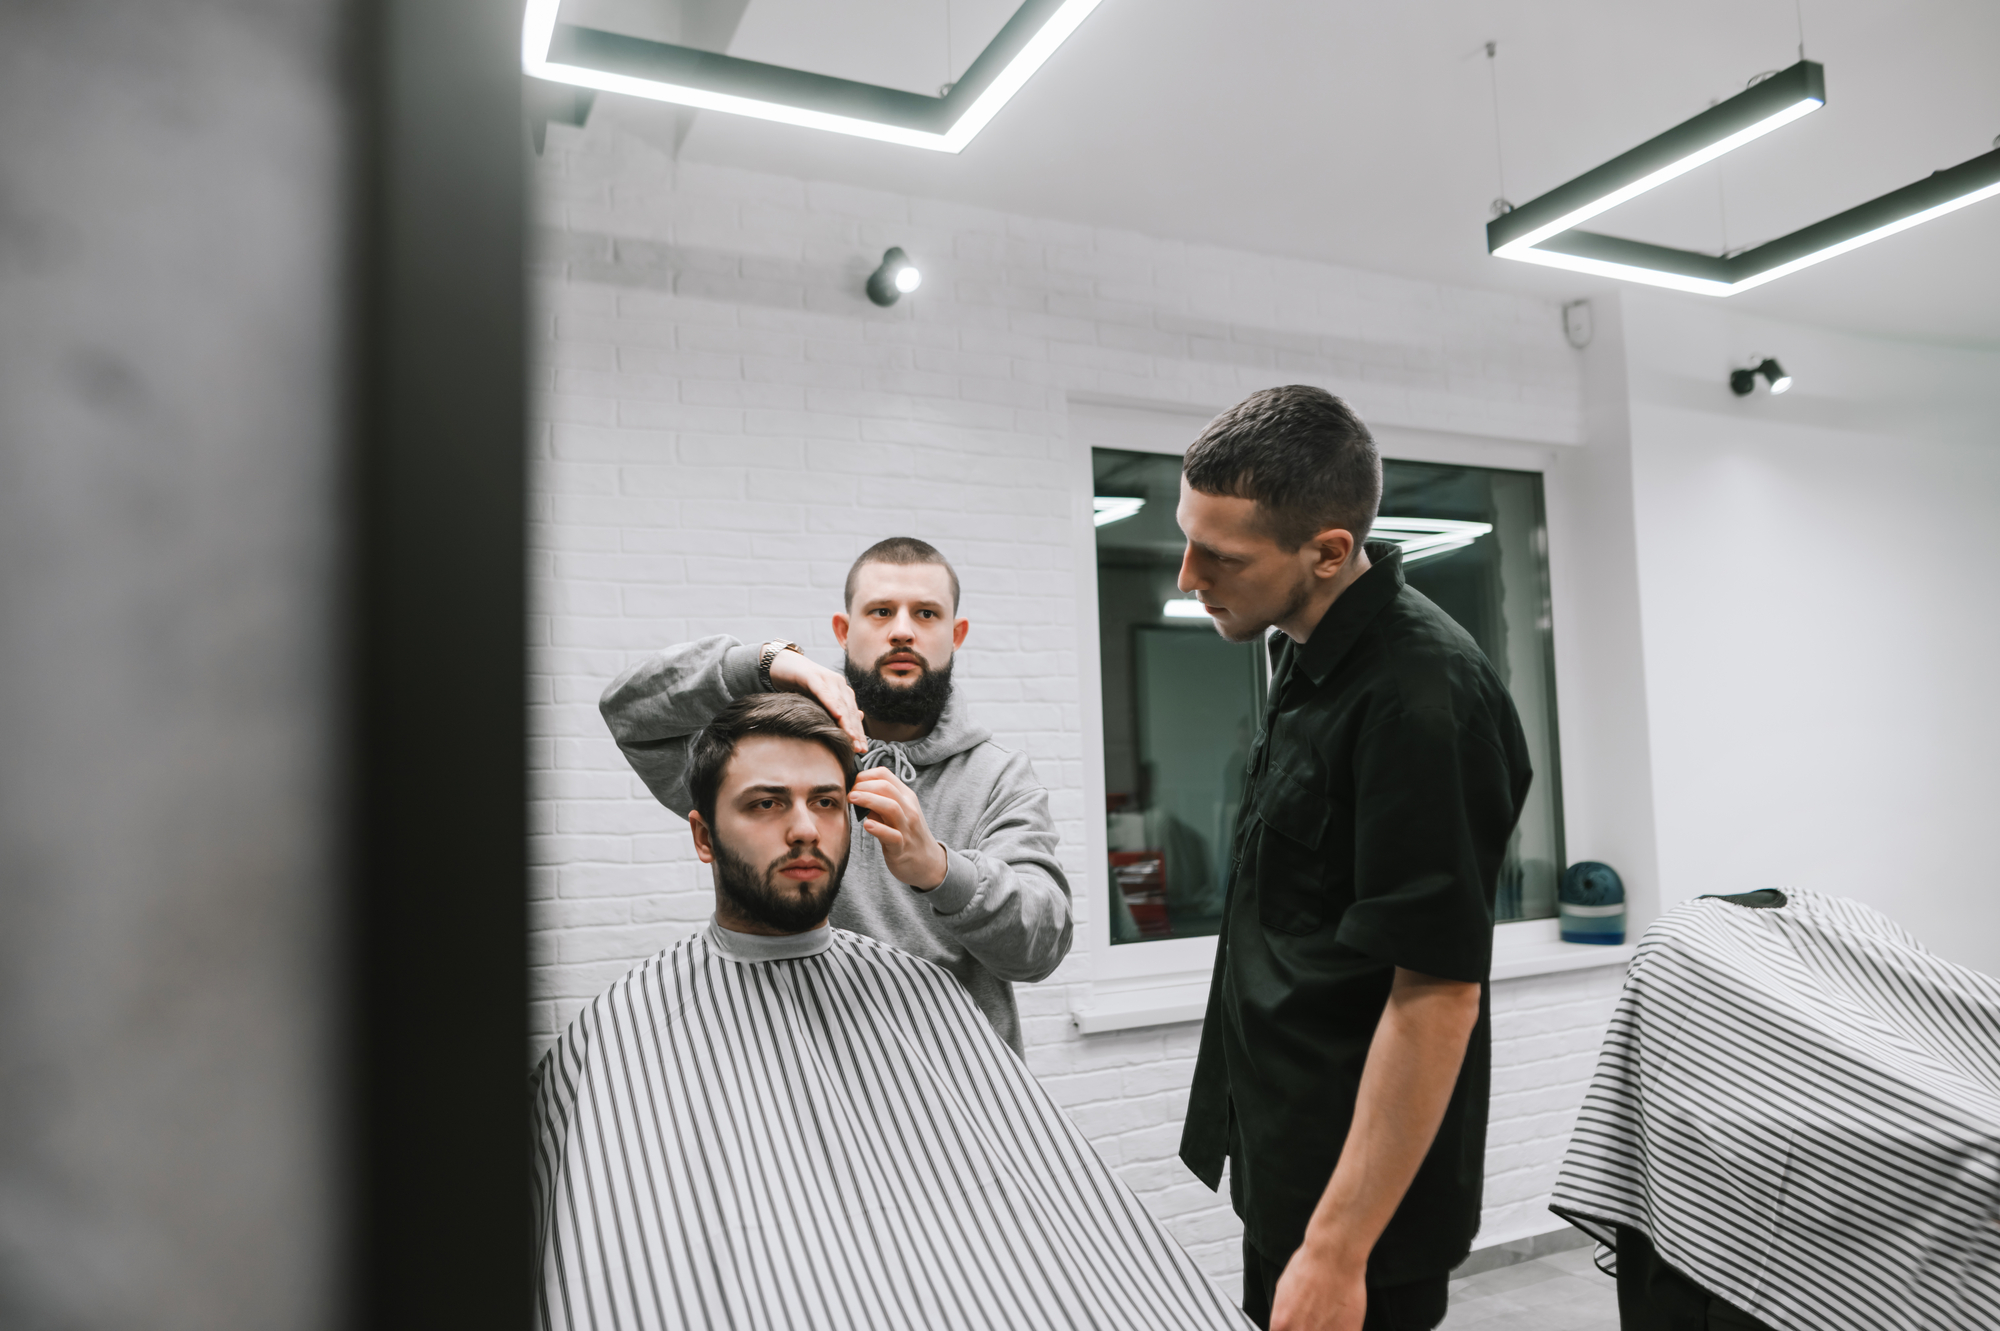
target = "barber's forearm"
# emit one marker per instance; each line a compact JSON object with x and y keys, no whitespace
{"x":678,"y":691}
{"x":1413,"y":1064}
{"x":1014,"y":917}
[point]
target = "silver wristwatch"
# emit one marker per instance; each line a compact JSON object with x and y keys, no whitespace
{"x":764,"y":659}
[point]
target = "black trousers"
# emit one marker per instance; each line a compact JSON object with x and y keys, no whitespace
{"x":1652,"y":1296}
{"x":1418,"y":1306}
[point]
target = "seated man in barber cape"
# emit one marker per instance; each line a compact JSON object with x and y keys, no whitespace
{"x":959,"y":864}
{"x":778,"y":1124}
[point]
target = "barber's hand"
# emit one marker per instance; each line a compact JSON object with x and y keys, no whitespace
{"x":796,"y":673}
{"x":1318,"y":1292}
{"x":897,"y":821}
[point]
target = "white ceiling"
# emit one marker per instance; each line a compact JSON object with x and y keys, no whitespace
{"x":1363,"y":134}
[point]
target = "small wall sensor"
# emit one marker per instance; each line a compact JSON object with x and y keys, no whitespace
{"x":1576,"y":324}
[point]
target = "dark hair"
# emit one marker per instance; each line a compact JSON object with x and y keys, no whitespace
{"x":1301,"y":454}
{"x":786,"y":715}
{"x":901,"y":550}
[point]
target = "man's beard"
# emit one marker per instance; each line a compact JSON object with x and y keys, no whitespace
{"x":919,"y":703}
{"x":766,"y":899}
{"x":1294,"y":603}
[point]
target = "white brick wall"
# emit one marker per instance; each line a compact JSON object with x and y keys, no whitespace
{"x":725,"y":421}
{"x":1546,"y":1030}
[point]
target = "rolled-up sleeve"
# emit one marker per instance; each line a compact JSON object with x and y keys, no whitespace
{"x":655,"y":709}
{"x":1435,"y":801}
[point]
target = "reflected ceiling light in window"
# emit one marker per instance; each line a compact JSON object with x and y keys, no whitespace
{"x":1184,"y":609}
{"x":1107,"y":509}
{"x":1543,"y":230}
{"x":615,"y":62}
{"x":1426,"y":538}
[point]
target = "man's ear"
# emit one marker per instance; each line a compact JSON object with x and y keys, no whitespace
{"x":958,"y":632}
{"x":704,"y":836}
{"x":1334,"y":547}
{"x":840,"y":630}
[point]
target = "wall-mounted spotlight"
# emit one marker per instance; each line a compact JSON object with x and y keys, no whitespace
{"x":895,"y":279}
{"x":1742,"y":381}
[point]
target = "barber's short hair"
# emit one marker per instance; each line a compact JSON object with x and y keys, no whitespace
{"x":786,"y":715}
{"x":900,"y":550}
{"x":1301,"y":454}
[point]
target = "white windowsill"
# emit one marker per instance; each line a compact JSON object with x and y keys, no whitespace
{"x":1121,"y":1003}
{"x":1551,"y":958}
{"x":1123,"y":1011}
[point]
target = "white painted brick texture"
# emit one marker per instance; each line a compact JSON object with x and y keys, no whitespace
{"x":723,"y":421}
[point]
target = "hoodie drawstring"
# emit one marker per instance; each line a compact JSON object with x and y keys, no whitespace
{"x":889,"y":754}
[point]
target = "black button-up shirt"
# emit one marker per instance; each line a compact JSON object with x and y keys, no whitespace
{"x":1378,"y":804}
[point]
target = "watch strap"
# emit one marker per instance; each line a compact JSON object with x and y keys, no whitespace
{"x":766,"y":657}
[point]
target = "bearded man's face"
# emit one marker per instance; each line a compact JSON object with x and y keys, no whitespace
{"x":899,"y":633}
{"x":901,"y":687}
{"x":789,"y":895}
{"x":779,"y":840}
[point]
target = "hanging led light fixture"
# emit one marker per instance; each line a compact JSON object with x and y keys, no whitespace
{"x":1544,"y":232}
{"x":614,"y":62}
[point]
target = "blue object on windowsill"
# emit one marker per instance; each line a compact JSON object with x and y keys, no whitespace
{"x":1591,"y":903}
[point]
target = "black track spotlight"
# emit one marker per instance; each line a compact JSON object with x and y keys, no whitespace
{"x":895,"y":279}
{"x":1741,"y":382}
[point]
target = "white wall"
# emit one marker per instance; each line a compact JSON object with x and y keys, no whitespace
{"x":726,"y":422}
{"x":1820,"y":588}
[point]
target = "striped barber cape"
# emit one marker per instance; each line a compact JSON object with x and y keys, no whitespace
{"x":1800,"y":1107}
{"x":822,"y":1131}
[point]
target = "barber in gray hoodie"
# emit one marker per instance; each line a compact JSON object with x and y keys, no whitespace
{"x":959,"y":866}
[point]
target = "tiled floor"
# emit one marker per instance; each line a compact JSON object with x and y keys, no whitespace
{"x":1562,"y":1292}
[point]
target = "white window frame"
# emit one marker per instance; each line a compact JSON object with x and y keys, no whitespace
{"x":1166,"y":981}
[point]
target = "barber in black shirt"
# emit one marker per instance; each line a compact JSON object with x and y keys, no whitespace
{"x":1344,"y":1059}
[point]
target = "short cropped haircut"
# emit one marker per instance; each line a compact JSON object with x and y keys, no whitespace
{"x":1301,"y":454}
{"x":901,"y":550}
{"x":786,"y":715}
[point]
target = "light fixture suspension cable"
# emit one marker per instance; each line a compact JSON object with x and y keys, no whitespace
{"x":949,"y":77}
{"x":1799,"y":12}
{"x":1722,"y":209}
{"x":1500,"y":204}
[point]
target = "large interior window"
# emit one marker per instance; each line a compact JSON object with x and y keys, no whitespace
{"x":1181,"y":705}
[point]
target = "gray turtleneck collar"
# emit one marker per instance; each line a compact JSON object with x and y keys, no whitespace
{"x":767,"y":947}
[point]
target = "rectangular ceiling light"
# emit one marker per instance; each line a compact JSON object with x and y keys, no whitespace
{"x":1751,"y":114}
{"x":613,"y":62}
{"x":1544,"y":231}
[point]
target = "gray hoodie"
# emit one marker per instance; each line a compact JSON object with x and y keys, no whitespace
{"x":1002,"y":912}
